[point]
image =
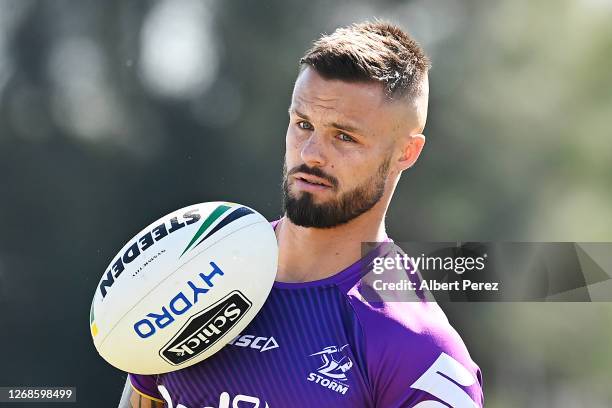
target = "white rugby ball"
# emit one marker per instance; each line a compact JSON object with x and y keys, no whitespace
{"x":183,"y":287}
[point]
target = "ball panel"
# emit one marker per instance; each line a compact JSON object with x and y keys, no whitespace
{"x":145,"y":312}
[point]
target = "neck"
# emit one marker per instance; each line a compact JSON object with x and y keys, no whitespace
{"x":308,"y":254}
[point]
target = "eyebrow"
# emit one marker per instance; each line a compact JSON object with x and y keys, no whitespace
{"x":340,"y":126}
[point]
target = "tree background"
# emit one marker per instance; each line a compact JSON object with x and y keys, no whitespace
{"x":113,"y":113}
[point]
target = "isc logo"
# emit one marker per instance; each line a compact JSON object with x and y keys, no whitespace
{"x":258,"y":343}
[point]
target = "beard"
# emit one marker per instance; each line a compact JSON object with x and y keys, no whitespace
{"x":303,"y":211}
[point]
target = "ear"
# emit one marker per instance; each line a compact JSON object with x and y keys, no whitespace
{"x":411,"y":149}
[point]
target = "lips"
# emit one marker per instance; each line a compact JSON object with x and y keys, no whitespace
{"x":312,"y":184}
{"x":304,"y":185}
{"x":313,"y":180}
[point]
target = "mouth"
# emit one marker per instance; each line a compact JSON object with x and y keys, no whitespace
{"x":311,"y":183}
{"x":313,"y":180}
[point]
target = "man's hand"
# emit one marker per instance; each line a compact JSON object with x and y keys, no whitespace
{"x":131,"y":399}
{"x":138,"y":401}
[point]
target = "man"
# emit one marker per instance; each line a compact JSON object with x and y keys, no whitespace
{"x":355,"y":124}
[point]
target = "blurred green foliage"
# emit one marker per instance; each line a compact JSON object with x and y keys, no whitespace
{"x":113,"y":113}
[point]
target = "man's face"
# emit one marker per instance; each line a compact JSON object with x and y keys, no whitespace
{"x":342,"y":146}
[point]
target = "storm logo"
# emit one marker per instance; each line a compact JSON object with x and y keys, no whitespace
{"x":335,"y":364}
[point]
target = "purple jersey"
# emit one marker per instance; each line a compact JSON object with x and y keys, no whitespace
{"x":322,"y":344}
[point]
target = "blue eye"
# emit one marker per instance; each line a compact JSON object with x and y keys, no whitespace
{"x":305,"y":125}
{"x":345,"y":138}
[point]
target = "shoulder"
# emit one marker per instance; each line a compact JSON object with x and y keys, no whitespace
{"x":419,"y":329}
{"x":407,"y":346}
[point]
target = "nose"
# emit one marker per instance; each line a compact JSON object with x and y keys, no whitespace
{"x":312,"y":152}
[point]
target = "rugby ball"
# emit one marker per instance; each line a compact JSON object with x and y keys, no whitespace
{"x":183,"y":287}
